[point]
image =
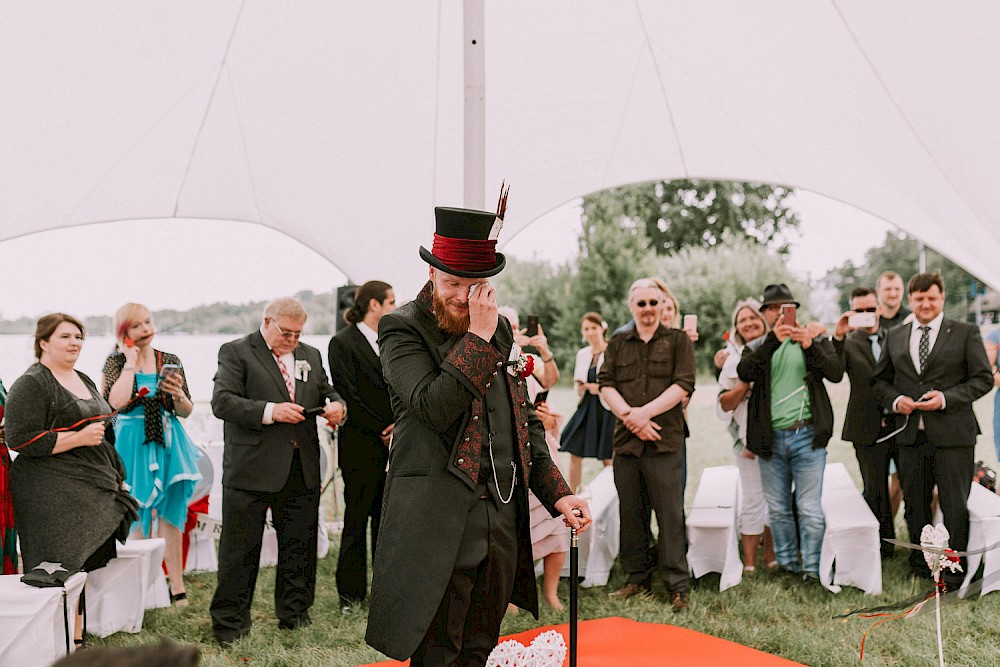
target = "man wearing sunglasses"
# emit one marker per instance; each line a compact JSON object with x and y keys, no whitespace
{"x":647,"y":373}
{"x":265,"y":385}
{"x":859,"y":340}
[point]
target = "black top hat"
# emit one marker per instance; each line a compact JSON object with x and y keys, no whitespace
{"x":462,"y":246}
{"x":775,"y":294}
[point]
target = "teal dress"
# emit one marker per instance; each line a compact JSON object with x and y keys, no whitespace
{"x":161,"y":477}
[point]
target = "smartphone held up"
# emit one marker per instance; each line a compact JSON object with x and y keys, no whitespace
{"x":788,"y":314}
{"x":531,"y":323}
{"x":862,"y":320}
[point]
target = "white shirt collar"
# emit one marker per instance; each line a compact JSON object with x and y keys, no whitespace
{"x":370,"y":334}
{"x":934,"y":324}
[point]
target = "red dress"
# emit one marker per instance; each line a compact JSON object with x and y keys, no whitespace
{"x":8,"y":545}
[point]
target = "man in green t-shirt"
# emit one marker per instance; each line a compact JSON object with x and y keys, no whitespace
{"x":790,"y":421}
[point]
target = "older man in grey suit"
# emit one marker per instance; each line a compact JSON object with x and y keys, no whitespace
{"x":268,"y":390}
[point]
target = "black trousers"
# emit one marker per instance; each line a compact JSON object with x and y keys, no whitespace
{"x":466,"y":626}
{"x":652,"y":481}
{"x":923,"y":465}
{"x":295,"y":511}
{"x":873,"y":461}
{"x":363,"y":490}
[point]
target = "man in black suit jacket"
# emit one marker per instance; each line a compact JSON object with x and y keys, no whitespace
{"x":932,"y":371}
{"x":864,"y":422}
{"x":264,"y":385}
{"x":363,"y":443}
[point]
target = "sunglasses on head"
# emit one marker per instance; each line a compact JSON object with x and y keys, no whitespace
{"x":866,"y":310}
{"x":652,"y":302}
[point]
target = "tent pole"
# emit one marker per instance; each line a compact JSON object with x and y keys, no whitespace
{"x":474,"y":58}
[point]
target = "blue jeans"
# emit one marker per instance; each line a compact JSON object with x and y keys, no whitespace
{"x":794,"y":462}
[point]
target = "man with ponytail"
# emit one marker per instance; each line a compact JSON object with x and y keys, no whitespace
{"x":363,"y":442}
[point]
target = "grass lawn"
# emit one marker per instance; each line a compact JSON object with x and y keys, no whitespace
{"x":770,"y":613}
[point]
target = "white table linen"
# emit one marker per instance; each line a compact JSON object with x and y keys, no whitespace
{"x":119,"y":593}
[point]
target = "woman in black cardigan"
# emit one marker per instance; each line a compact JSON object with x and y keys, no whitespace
{"x":66,"y":482}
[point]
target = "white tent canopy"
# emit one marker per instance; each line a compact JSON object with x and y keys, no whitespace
{"x":341,"y":123}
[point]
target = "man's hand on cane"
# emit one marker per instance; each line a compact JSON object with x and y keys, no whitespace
{"x":575,"y":511}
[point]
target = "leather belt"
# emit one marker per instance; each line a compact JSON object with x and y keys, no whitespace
{"x":797,"y":425}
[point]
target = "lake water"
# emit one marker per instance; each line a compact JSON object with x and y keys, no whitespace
{"x":199,"y":355}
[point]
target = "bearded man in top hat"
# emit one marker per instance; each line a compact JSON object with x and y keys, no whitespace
{"x":789,"y":423}
{"x":454,"y":546}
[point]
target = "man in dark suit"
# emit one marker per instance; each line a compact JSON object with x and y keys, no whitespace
{"x":263,"y":387}
{"x":931,"y":372}
{"x":455,"y":543}
{"x":363,"y":443}
{"x":864,"y":422}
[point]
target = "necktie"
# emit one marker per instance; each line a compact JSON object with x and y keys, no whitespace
{"x":876,"y":346}
{"x":284,"y":374}
{"x":924,"y":347}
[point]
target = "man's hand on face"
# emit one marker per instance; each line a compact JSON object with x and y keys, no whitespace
{"x":483,"y":315}
{"x":288,"y":413}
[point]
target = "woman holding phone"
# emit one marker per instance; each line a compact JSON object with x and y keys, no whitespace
{"x":161,"y":462}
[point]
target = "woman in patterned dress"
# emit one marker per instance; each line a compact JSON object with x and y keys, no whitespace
{"x":161,"y":462}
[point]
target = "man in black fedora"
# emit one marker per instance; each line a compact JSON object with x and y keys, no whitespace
{"x":454,"y":546}
{"x":789,"y":423}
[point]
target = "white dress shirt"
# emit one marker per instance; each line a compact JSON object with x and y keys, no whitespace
{"x":915,"y":334}
{"x":370,"y":335}
{"x":289,"y":361}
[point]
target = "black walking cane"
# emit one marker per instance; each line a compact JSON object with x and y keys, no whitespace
{"x":574,"y":588}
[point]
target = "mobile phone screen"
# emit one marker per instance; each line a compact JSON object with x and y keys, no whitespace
{"x":532,"y":326}
{"x":540,"y":397}
{"x":788,"y":314}
{"x":315,"y":412}
{"x":168,"y":369}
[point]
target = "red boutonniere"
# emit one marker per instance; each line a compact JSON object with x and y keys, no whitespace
{"x":725,"y":335}
{"x":520,"y":364}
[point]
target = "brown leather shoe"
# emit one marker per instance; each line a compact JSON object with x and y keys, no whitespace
{"x":630,"y":590}
{"x":679,"y":601}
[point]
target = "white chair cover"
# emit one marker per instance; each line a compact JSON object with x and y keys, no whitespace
{"x":712,"y":524}
{"x":599,"y":545}
{"x":850,"y":555}
{"x":119,"y":594}
{"x":32,"y":621}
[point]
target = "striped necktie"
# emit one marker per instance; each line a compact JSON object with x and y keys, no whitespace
{"x":284,"y":374}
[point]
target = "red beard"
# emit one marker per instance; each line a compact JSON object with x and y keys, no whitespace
{"x":452,"y":324}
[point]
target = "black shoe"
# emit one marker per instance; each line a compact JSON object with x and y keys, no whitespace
{"x":227,"y":640}
{"x":296,"y":622}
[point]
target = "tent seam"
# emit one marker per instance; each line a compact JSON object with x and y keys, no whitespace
{"x":906,"y":120}
{"x":663,"y":89}
{"x":243,"y":144}
{"x":208,"y":108}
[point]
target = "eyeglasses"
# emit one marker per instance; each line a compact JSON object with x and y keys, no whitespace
{"x":653,"y":303}
{"x":287,"y":335}
{"x":866,"y":310}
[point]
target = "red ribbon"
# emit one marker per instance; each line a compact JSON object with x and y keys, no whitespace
{"x":465,"y":254}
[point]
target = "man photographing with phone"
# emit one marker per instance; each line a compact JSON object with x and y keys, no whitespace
{"x":859,"y":341}
{"x":790,"y":422}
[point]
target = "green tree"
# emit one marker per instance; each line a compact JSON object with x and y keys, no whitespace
{"x":694,"y":213}
{"x":901,"y":253}
{"x":538,"y":288}
{"x":709,"y":281}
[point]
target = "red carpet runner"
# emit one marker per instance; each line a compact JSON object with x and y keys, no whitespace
{"x":614,"y":642}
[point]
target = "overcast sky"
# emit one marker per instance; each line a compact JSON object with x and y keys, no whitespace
{"x":178,"y":264}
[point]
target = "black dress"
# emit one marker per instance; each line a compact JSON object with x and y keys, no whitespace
{"x":68,"y":507}
{"x":588,"y":432}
